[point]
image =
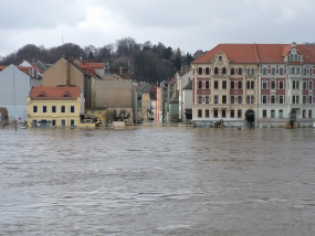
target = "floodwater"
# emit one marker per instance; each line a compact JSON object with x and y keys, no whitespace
{"x":158,"y":181}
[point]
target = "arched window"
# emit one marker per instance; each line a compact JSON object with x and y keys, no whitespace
{"x":232,"y":71}
{"x":216,"y":70}
{"x":200,"y":70}
{"x":223,"y":71}
{"x":240,"y":71}
{"x":207,"y":71}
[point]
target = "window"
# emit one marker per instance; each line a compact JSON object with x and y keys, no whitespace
{"x":298,"y":70}
{"x":199,"y":99}
{"x":252,"y":84}
{"x":63,"y":109}
{"x":53,"y":122}
{"x":297,"y":99}
{"x":72,"y":123}
{"x":281,"y":114}
{"x":264,"y":84}
{"x":232,"y":71}
{"x":63,"y":123}
{"x":223,"y":71}
{"x":216,"y":99}
{"x":207,"y":114}
{"x":240,"y":71}
{"x":72,"y":109}
{"x":310,"y":85}
{"x":273,"y":99}
{"x":240,"y":84}
{"x":216,"y":70}
{"x":281,"y":99}
{"x":53,"y":109}
{"x":220,"y":58}
{"x":216,"y":84}
{"x":247,"y":84}
{"x":240,"y":99}
{"x":207,"y":71}
{"x":310,"y":114}
{"x":264,"y":71}
{"x":207,"y":100}
{"x":264,"y":99}
{"x":310,"y":100}
{"x":215,"y":113}
{"x":281,"y":84}
{"x":232,"y":113}
{"x":239,"y":113}
{"x":248,"y":99}
{"x":304,"y":114}
{"x":304,"y":99}
{"x":35,"y":109}
{"x":199,"y":113}
{"x":44,"y":109}
{"x":232,"y":99}
{"x":224,"y":84}
{"x":304,"y":85}
{"x":207,"y":84}
{"x":223,"y":99}
{"x":281,"y":71}
{"x":264,"y":113}
{"x":223,"y":113}
{"x":273,"y":84}
{"x":273,"y":71}
{"x":200,"y":84}
{"x":232,"y":84}
{"x":200,"y":71}
{"x":272,"y":114}
{"x":292,"y":70}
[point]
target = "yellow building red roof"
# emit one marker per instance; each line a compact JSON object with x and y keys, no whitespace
{"x":257,"y":53}
{"x":50,"y":92}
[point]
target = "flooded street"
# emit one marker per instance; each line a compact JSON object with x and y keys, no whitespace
{"x":158,"y":181}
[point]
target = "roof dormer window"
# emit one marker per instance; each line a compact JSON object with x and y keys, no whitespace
{"x":66,"y":94}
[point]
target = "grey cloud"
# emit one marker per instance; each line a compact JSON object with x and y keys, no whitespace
{"x":188,"y":24}
{"x":16,"y":14}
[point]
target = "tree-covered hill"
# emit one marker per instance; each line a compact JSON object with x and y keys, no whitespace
{"x":144,"y":62}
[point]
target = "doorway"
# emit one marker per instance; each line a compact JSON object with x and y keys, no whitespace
{"x":250,"y":118}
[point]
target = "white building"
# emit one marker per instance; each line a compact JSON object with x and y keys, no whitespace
{"x":15,"y":87}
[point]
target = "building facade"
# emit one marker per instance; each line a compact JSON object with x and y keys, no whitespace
{"x":262,"y":85}
{"x":55,"y":107}
{"x":15,"y":87}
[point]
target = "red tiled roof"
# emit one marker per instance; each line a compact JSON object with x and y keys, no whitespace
{"x":46,"y":92}
{"x":257,"y":53}
{"x":92,"y":65}
{"x":26,"y":70}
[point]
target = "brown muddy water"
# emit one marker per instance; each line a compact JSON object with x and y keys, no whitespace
{"x":158,"y":181}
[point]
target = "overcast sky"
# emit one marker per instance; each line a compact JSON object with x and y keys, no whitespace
{"x":188,"y":24}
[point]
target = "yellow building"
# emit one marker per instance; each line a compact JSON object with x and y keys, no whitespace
{"x":55,"y":107}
